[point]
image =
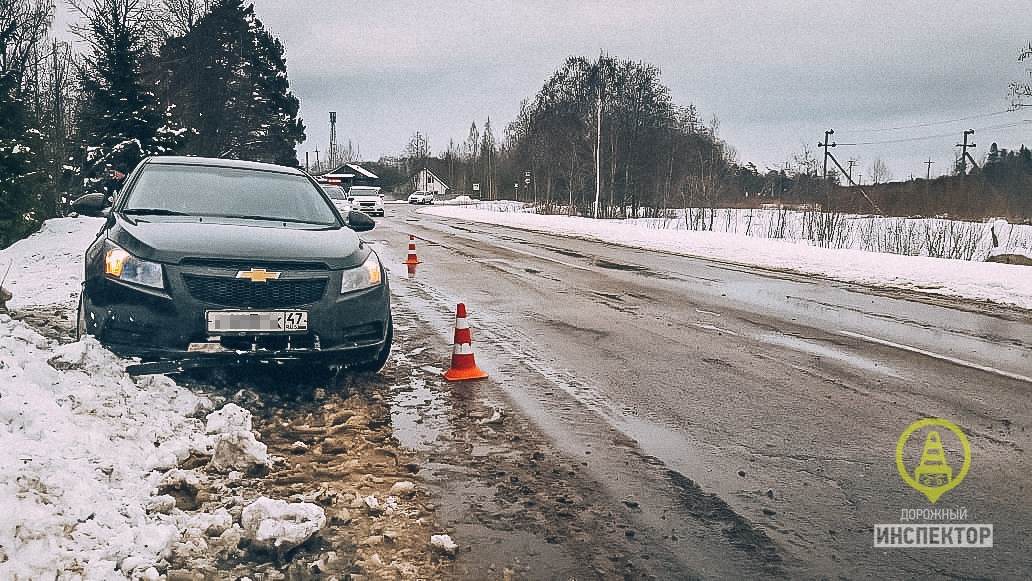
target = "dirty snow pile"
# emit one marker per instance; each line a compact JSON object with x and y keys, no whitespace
{"x":89,"y":455}
{"x":1003,"y":283}
{"x":83,"y":447}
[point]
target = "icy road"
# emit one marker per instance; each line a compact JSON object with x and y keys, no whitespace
{"x":729,"y":421}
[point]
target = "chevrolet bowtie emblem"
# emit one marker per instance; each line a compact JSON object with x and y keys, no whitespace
{"x":258,"y":275}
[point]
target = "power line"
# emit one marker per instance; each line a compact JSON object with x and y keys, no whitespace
{"x":940,"y":135}
{"x":928,"y":124}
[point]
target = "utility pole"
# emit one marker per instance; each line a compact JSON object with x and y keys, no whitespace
{"x":827,"y":143}
{"x":964,"y":155}
{"x":851,"y":163}
{"x":334,"y":152}
{"x":929,"y":164}
{"x":827,"y":155}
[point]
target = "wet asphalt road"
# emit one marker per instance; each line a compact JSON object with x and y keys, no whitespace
{"x":749,"y":417}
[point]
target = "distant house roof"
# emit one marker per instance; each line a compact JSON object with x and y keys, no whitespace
{"x":436,"y":177}
{"x":352,"y":170}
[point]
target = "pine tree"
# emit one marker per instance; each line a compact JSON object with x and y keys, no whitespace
{"x":23,"y":26}
{"x":121,"y":121}
{"x":228,"y":79}
{"x":21,"y":178}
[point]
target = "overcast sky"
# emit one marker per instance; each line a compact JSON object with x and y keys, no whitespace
{"x":775,"y":73}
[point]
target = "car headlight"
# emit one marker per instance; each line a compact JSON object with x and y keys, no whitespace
{"x":127,"y":268}
{"x":368,"y":275}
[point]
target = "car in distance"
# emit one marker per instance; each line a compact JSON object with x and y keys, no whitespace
{"x":421,"y":198}
{"x":367,"y":199}
{"x":338,"y":197}
{"x":211,"y":261}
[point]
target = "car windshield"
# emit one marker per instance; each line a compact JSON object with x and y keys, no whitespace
{"x":194,"y":190}
{"x":335,"y":192}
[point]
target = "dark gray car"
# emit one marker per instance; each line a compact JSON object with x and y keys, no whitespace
{"x":210,"y":261}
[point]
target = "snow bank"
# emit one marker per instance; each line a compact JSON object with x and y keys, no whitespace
{"x":1003,"y":283}
{"x":83,"y":448}
{"x":46,"y":268}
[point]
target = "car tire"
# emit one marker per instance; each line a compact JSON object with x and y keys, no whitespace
{"x":376,"y":364}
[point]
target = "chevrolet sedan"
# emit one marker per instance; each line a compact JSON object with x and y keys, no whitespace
{"x":210,"y":261}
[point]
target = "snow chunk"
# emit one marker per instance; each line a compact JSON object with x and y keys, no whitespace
{"x":279,"y":525}
{"x":230,"y":418}
{"x":444,"y":543}
{"x":239,"y":451}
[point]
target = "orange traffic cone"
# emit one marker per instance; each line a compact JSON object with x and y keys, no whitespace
{"x":463,"y":365}
{"x":412,"y":259}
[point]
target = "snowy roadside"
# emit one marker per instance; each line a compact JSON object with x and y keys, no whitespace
{"x":1002,"y":283}
{"x":91,"y":460}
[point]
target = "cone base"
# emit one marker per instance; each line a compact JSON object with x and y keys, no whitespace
{"x":464,"y":374}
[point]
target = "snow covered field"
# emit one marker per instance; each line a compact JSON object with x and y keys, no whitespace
{"x":970,"y":279}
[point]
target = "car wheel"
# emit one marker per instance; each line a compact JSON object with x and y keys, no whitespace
{"x":377,"y":363}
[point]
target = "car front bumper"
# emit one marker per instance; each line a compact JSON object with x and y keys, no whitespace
{"x":171,"y":325}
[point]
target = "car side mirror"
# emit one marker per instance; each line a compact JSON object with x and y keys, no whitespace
{"x":360,"y":222}
{"x":90,"y":204}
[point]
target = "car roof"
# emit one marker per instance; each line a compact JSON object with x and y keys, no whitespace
{"x":219,"y":162}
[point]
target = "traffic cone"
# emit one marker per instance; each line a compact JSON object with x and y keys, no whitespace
{"x":464,"y":365}
{"x":412,"y":259}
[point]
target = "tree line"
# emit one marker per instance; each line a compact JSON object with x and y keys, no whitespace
{"x":157,"y":77}
{"x":607,"y":132}
{"x":601,"y":137}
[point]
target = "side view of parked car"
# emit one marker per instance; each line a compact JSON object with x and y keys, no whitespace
{"x":421,"y":198}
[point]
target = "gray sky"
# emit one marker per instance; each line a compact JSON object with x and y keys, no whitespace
{"x":775,"y":73}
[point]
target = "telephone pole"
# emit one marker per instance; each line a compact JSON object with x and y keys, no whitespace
{"x":964,"y":155}
{"x":334,"y":153}
{"x":827,"y":155}
{"x":827,"y":143}
{"x":929,"y":164}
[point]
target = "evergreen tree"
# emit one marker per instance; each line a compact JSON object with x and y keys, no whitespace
{"x":121,"y":121}
{"x":228,"y":79}
{"x":23,"y":28}
{"x":21,"y":178}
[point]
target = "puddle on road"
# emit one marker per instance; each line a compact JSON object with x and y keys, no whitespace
{"x":419,"y":414}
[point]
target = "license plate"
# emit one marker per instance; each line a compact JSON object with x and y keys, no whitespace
{"x":256,"y":321}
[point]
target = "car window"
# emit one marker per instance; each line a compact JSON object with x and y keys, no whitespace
{"x":334,"y":192}
{"x":227,"y":192}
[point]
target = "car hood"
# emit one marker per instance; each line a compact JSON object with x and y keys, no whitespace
{"x":172,"y":240}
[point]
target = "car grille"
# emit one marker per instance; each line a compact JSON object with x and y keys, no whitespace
{"x":274,"y":294}
{"x":249,"y":264}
